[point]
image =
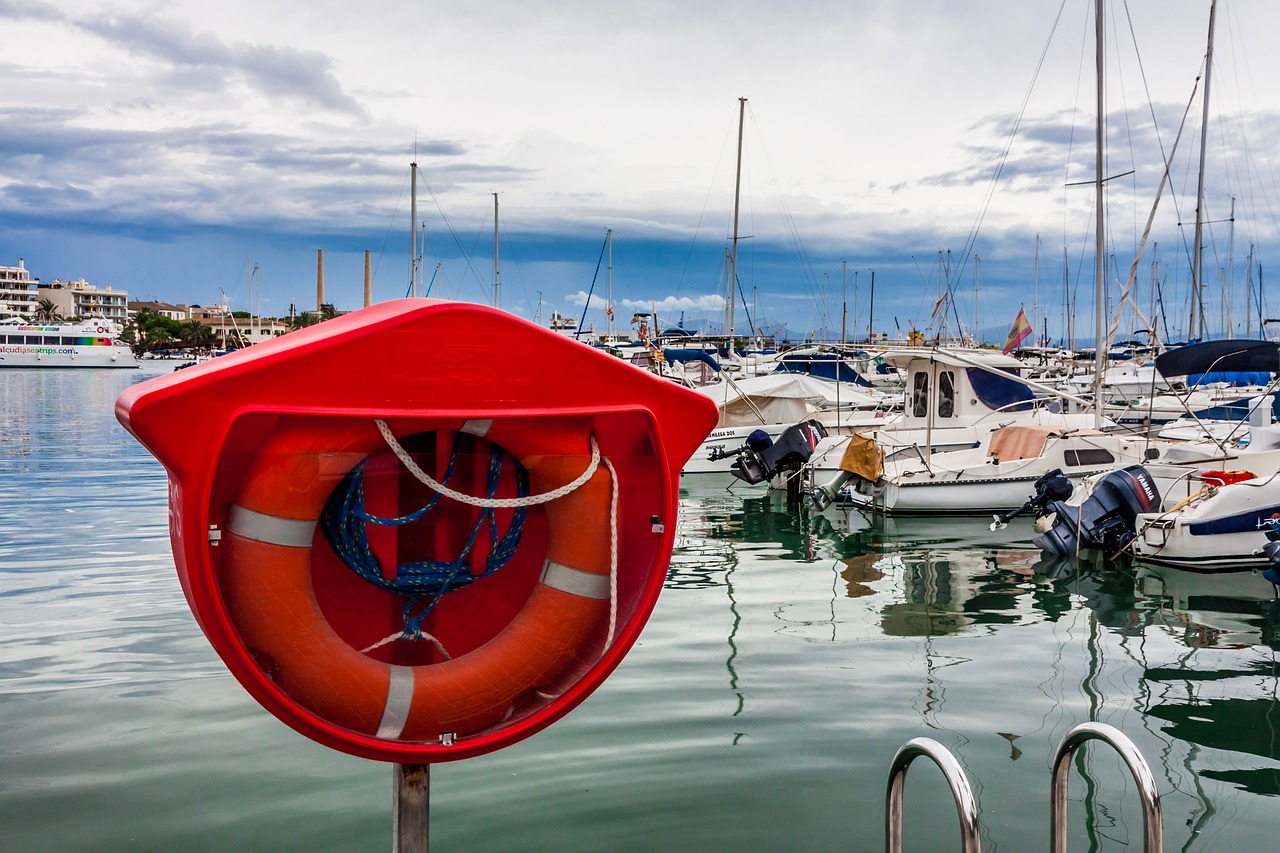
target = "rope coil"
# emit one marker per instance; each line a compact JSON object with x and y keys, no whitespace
{"x":344,"y":522}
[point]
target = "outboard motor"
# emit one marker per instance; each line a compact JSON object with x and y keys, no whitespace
{"x":1051,"y":487}
{"x":1107,"y":519}
{"x":761,"y":459}
{"x":1272,"y":552}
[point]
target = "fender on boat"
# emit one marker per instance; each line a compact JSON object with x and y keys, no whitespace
{"x":256,"y":444}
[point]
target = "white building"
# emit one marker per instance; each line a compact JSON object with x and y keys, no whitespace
{"x":81,"y":299}
{"x":244,"y":331}
{"x":17,"y":291}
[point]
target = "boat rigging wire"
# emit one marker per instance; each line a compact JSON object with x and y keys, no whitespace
{"x":1004,"y":155}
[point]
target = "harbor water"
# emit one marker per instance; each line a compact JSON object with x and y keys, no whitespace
{"x":790,"y":655}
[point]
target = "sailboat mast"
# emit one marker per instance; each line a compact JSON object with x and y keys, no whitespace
{"x":856,"y":328}
{"x":871,"y":311}
{"x":976,"y":262}
{"x":1100,"y":344}
{"x":413,"y":228}
{"x":728,"y":277}
{"x":496,"y":292}
{"x":737,"y":189}
{"x":1035,"y":288}
{"x":1197,"y":298}
{"x":1248,"y":294}
{"x":844,"y":303}
{"x":1231,"y":267}
{"x":608,"y":281}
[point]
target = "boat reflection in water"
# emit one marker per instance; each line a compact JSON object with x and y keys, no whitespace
{"x":981,"y":640}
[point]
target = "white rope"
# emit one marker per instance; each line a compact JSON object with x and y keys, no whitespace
{"x":613,"y":556}
{"x":530,"y":500}
{"x":391,"y":638}
{"x":487,"y":503}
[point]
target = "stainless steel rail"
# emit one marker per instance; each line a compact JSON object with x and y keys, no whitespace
{"x":1152,"y":832}
{"x":966,"y":806}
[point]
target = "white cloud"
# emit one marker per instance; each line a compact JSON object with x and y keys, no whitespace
{"x":872,"y":128}
{"x":580,"y":299}
{"x":668,"y":304}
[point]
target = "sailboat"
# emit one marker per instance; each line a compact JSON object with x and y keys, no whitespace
{"x":1002,"y":465}
{"x":758,"y":409}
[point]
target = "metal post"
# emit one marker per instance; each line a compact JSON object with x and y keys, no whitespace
{"x":966,"y":807}
{"x":411,"y":808}
{"x":1152,"y":831}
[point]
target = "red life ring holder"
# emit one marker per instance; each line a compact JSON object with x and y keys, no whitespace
{"x":266,"y":571}
{"x":101,"y":329}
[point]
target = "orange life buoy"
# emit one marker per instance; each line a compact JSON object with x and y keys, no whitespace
{"x":266,"y":570}
{"x":1225,"y":478}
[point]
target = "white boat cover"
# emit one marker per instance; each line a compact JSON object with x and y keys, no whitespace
{"x":780,"y":398}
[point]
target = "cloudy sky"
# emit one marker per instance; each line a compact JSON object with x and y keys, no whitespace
{"x":171,"y":148}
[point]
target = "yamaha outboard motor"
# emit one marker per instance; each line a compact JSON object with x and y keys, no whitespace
{"x":1106,"y":520}
{"x":760,"y":459}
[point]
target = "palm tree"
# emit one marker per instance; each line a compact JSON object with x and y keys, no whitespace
{"x":193,"y":333}
{"x":154,"y":330}
{"x":47,"y":312}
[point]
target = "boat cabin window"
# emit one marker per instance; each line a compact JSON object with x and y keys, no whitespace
{"x":1088,"y":456}
{"x":32,"y":339}
{"x":51,"y":340}
{"x":946,"y":394}
{"x":920,"y":395}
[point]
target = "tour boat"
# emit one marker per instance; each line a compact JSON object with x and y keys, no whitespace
{"x":94,"y":342}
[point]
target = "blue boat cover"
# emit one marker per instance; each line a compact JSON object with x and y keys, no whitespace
{"x":674,"y":355}
{"x":1220,"y":357}
{"x":822,"y":366}
{"x":999,"y":392}
{"x":1237,"y":378}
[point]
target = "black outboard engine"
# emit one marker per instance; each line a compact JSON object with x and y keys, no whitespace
{"x":1272,"y":552}
{"x":1107,"y":519}
{"x":761,"y":459}
{"x":1051,"y":487}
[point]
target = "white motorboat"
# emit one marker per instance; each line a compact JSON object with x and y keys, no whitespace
{"x":999,"y":474}
{"x":1203,"y":506}
{"x":1222,"y":526}
{"x":94,"y":342}
{"x":955,"y":399}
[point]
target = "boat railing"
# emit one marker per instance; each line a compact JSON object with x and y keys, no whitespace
{"x":967,"y":808}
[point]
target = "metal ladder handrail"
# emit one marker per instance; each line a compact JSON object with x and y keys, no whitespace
{"x":1152,"y":831}
{"x":966,"y":806}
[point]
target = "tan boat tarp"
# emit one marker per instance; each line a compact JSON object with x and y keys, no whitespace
{"x":862,"y":456}
{"x":1020,"y":442}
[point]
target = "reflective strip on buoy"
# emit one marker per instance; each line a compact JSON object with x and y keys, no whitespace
{"x":272,"y":529}
{"x":574,"y":581}
{"x":399,"y":700}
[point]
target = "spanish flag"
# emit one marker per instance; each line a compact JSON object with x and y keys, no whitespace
{"x":1018,"y":332}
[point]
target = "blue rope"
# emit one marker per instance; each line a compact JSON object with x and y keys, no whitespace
{"x":345,"y":525}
